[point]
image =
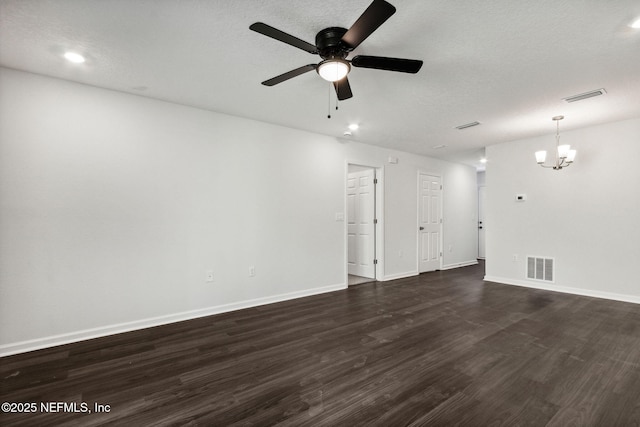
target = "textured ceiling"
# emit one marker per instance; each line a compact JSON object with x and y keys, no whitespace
{"x":504,"y":63}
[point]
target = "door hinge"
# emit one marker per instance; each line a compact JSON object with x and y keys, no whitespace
{"x":440,"y":220}
{"x":375,"y":220}
{"x":441,"y":186}
{"x":375,"y":180}
{"x":440,"y":254}
{"x":375,"y":261}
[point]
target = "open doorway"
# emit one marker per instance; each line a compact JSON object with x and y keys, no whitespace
{"x":361,"y":224}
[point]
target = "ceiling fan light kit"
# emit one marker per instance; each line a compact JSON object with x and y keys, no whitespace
{"x":333,"y":45}
{"x":333,"y":70}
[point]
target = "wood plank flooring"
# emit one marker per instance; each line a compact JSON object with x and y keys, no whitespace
{"x":441,"y":349}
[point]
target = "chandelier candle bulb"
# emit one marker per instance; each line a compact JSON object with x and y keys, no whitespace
{"x":541,"y":156}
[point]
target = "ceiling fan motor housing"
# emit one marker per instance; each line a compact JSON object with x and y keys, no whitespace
{"x":330,"y":45}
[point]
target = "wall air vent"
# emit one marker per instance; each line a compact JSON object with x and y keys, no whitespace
{"x":585,"y":95}
{"x":468,"y":125}
{"x":540,"y":268}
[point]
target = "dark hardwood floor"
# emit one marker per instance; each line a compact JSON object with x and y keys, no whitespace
{"x":441,"y":349}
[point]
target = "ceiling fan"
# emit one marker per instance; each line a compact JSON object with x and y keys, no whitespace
{"x":334,"y":44}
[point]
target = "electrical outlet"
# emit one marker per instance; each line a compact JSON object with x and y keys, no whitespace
{"x":209,"y":276}
{"x":252,"y":271}
{"x":515,"y":258}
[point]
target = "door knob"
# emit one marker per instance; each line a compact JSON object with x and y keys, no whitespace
{"x":421,"y":228}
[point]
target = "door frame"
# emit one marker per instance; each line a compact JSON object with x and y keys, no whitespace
{"x":441,"y":242}
{"x":379,"y":215}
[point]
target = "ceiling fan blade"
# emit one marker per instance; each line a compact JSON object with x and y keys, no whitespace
{"x":343,"y":89}
{"x":289,"y":75}
{"x":375,"y":15}
{"x":390,"y":64}
{"x":274,"y":33}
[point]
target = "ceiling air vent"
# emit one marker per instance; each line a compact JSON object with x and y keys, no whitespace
{"x":585,"y":95}
{"x":540,"y":268}
{"x":468,"y":125}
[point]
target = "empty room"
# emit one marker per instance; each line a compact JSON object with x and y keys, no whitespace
{"x":402,"y":213}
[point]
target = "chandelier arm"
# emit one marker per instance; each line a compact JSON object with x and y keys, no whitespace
{"x":564,"y":162}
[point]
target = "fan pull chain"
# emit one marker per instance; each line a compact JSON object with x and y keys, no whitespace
{"x":329,"y":103}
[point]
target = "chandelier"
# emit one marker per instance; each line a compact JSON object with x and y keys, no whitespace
{"x":564,"y":154}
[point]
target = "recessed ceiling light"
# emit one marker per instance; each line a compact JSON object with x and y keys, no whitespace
{"x":483,"y":160}
{"x":76,"y":58}
{"x":353,"y":126}
{"x":635,"y":24}
{"x":437,"y":147}
{"x":347,"y":133}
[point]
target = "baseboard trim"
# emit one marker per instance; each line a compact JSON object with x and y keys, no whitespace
{"x":399,"y":276}
{"x":565,"y":289}
{"x":86,"y":334}
{"x":459,"y":264}
{"x":416,"y":273}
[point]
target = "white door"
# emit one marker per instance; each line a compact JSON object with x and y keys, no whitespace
{"x":482,"y":195}
{"x":360,"y":223}
{"x":429,"y":222}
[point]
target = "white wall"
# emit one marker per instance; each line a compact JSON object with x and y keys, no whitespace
{"x":482,"y":178}
{"x":113,"y":206}
{"x":586,"y":216}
